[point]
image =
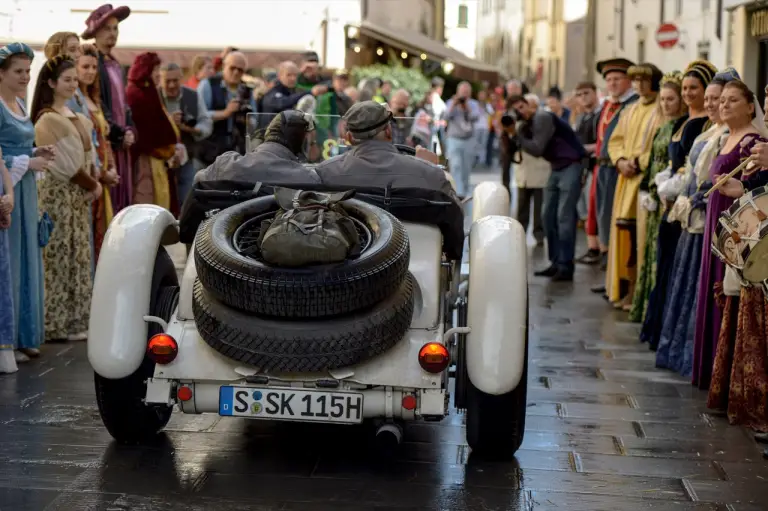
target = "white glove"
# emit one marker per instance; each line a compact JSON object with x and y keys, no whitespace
{"x":662,"y":176}
{"x":647,"y":202}
{"x":672,"y":187}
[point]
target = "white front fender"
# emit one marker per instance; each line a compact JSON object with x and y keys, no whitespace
{"x":497,"y":304}
{"x":117,"y":333}
{"x":489,"y":198}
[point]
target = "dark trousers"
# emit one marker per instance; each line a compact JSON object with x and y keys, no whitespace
{"x":506,"y":170}
{"x":524,"y":198}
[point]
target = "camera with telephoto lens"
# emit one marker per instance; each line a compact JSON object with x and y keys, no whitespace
{"x":510,"y":118}
{"x":244,"y":96}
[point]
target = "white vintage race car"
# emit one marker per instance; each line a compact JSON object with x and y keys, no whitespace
{"x":339,"y":344}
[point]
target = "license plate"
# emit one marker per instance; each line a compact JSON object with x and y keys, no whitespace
{"x":291,"y":404}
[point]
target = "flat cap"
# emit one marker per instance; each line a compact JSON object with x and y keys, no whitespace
{"x":366,"y":119}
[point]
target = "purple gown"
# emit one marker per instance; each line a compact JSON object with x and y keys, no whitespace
{"x":708,"y":314}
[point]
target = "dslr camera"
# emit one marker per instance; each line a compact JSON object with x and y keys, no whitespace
{"x":510,"y":118}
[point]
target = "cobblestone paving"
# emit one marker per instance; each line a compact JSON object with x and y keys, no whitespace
{"x":605,"y":432}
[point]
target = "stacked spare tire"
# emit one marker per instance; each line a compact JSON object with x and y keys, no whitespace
{"x":301,"y":319}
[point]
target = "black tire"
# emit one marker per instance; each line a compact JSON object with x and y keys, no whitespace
{"x":313,"y":292}
{"x":496,"y":424}
{"x":304,"y":346}
{"x":120,"y":402}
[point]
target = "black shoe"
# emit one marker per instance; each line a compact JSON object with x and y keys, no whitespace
{"x":562,"y":276}
{"x":591,"y":257}
{"x":549,"y":272}
{"x":598,"y":290}
{"x":604,"y":261}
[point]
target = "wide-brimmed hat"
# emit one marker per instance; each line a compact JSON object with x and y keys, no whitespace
{"x":99,"y":17}
{"x":620,"y":65}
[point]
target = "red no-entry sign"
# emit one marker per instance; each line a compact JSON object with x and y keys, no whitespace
{"x":667,"y":35}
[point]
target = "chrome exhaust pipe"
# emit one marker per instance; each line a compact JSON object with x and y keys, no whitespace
{"x":389,"y":436}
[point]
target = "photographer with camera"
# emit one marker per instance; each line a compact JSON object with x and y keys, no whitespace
{"x":190,"y":115}
{"x":229,"y":100}
{"x":543,"y":134}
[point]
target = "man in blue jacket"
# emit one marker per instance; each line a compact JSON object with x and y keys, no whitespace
{"x":544,"y":135}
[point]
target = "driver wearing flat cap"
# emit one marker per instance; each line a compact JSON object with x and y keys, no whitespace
{"x":374,"y":161}
{"x":276,"y":160}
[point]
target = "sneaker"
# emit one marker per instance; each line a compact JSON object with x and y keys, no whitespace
{"x":20,"y":357}
{"x":549,"y":272}
{"x":82,"y":336}
{"x":600,"y":290}
{"x":562,"y":276}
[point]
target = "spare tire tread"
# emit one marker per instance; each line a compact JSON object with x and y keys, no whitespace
{"x":312,"y":292}
{"x":304,"y":346}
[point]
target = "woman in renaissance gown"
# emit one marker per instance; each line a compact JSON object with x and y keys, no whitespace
{"x":675,"y":349}
{"x":673,"y":108}
{"x":738,"y":112}
{"x":696,"y":78}
{"x":740,"y":370}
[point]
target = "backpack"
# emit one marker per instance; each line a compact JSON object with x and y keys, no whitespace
{"x":309,"y":228}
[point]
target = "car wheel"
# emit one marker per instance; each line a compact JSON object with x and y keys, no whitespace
{"x":304,"y":346}
{"x":121,"y":402}
{"x":496,"y":424}
{"x":248,"y":284}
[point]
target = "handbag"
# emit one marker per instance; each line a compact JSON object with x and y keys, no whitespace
{"x":44,"y":229}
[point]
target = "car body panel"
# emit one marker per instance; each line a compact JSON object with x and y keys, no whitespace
{"x":117,"y":331}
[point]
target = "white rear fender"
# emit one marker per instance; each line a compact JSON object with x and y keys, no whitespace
{"x":497,"y":304}
{"x":117,"y":333}
{"x":489,"y":198}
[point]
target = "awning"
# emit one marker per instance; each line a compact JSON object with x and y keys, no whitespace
{"x":260,"y":59}
{"x":413,"y":42}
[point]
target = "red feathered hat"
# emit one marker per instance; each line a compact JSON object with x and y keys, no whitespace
{"x":99,"y":17}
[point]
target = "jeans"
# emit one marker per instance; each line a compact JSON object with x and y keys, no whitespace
{"x":524,"y":198}
{"x":561,"y":196}
{"x":606,"y":189}
{"x":461,"y":159}
{"x":481,"y":135}
{"x":489,"y":149}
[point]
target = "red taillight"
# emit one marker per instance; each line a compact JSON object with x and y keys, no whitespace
{"x":434,"y":357}
{"x":409,"y":402}
{"x":162,"y":349}
{"x":184,"y":393}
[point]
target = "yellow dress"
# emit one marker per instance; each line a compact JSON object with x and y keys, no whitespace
{"x":632,"y":138}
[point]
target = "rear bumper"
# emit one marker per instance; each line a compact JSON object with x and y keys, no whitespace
{"x":380,"y":402}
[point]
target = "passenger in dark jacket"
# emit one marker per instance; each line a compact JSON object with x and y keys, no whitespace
{"x":276,"y":160}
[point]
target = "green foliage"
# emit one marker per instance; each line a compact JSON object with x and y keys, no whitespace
{"x":409,"y":79}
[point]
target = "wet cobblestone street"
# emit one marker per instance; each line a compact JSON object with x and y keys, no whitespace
{"x":605,"y":431}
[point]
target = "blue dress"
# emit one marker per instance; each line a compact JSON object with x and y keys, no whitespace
{"x":6,"y":302}
{"x":675,"y":349}
{"x":17,"y":136}
{"x":669,"y":234}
